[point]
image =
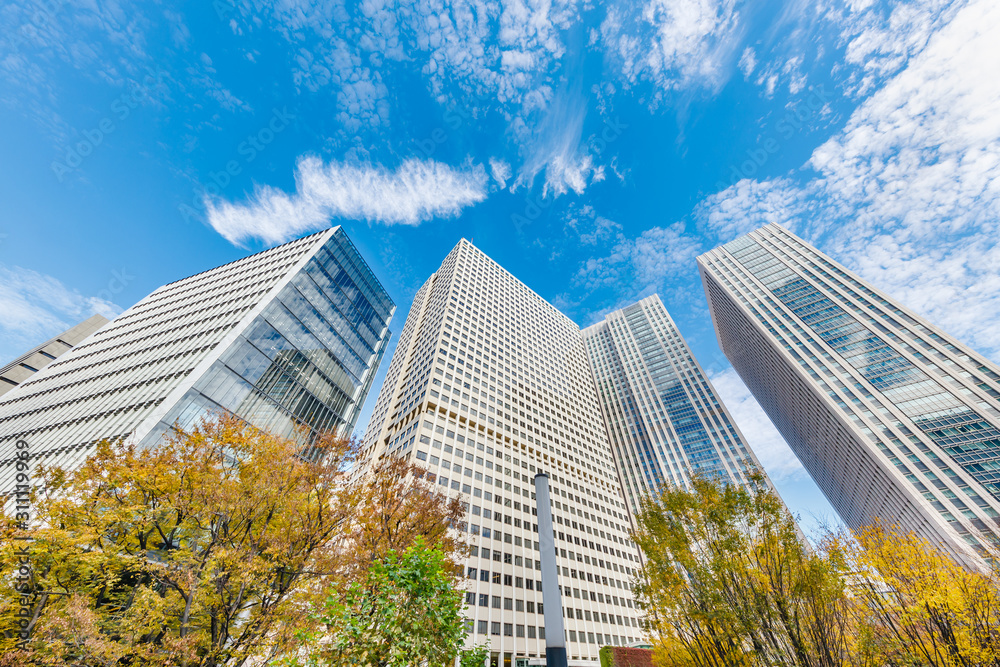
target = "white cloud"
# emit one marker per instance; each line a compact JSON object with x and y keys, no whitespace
{"x":673,"y":43}
{"x":641,"y":266}
{"x":501,"y":172}
{"x":36,"y":307}
{"x":747,"y":205}
{"x":748,"y":61}
{"x":415,"y":192}
{"x":773,"y":453}
{"x":908,"y":194}
{"x":589,"y":227}
{"x":556,"y":148}
{"x":881,"y":38}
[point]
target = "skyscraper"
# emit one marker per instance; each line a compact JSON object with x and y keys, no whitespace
{"x":895,"y":420}
{"x":287,"y":337}
{"x":664,"y":419}
{"x":488,"y":386}
{"x":31,"y":362}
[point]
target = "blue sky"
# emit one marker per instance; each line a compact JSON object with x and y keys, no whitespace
{"x":593,"y":149}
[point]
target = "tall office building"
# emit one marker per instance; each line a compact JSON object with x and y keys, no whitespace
{"x":31,"y":362}
{"x":894,"y":419}
{"x":286,"y":337}
{"x":489,"y":385}
{"x":663,"y":416}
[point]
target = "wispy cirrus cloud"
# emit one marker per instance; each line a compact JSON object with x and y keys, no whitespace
{"x":556,"y":149}
{"x":414,"y":192}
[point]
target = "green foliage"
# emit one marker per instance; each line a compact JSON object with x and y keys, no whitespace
{"x":475,"y":656}
{"x":404,"y":611}
{"x":607,"y":656}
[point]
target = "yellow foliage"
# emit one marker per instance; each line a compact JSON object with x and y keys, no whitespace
{"x":204,"y":551}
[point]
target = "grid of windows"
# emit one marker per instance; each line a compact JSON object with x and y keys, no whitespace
{"x":663,"y":416}
{"x":488,"y":386}
{"x":894,"y":419}
{"x":289,"y":336}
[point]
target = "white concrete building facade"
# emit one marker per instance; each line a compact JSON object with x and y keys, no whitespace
{"x":489,"y":385}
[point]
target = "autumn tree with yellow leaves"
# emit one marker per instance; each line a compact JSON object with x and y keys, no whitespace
{"x":208,"y":550}
{"x":914,"y":605}
{"x":729,"y":582}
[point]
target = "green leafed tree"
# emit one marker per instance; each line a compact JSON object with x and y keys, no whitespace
{"x":406,"y":610}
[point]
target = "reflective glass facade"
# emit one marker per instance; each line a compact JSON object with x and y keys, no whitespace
{"x":665,"y":420}
{"x":290,"y":336}
{"x":894,"y":419}
{"x":308,"y":358}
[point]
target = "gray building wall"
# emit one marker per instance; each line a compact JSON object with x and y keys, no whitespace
{"x":665,"y":420}
{"x":489,"y":385}
{"x":31,"y":362}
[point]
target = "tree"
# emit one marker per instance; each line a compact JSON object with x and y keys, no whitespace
{"x":917,"y":606}
{"x":213,"y":548}
{"x":396,"y":506}
{"x":184,"y":554}
{"x":728,"y":581}
{"x":405,"y":610}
